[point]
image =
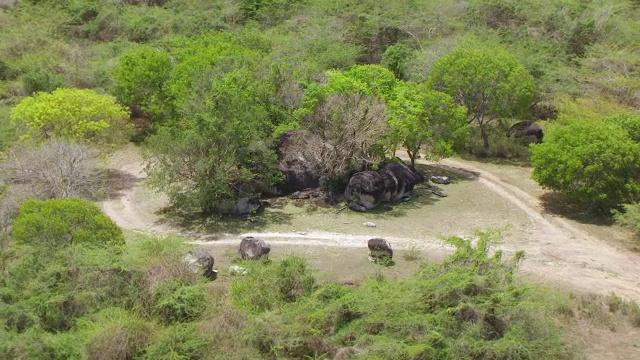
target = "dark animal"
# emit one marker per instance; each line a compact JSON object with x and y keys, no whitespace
{"x":393,"y":182}
{"x":201,"y":260}
{"x":252,"y":248}
{"x":528,"y":131}
{"x":379,"y":250}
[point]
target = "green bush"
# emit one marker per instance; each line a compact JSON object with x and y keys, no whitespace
{"x":178,"y":342}
{"x":60,"y":223}
{"x":176,"y":302}
{"x":595,"y":163}
{"x":269,"y":285}
{"x":629,"y":217}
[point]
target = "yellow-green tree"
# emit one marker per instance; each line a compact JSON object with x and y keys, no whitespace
{"x":72,"y":114}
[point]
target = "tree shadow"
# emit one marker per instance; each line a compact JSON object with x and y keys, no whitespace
{"x":116,"y":182}
{"x":455,"y":174}
{"x":514,"y":161}
{"x":207,"y":223}
{"x":558,"y":204}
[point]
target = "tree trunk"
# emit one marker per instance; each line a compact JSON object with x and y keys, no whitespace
{"x":412,"y":156}
{"x":485,"y":136}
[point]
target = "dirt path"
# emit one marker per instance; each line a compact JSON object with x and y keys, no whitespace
{"x":557,"y":251}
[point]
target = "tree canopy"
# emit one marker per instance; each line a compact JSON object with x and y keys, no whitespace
{"x":595,"y":163}
{"x":421,"y":117}
{"x":74,"y":114}
{"x":490,"y":83}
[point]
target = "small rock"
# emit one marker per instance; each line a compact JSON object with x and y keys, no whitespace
{"x":237,"y":270}
{"x":201,"y":261}
{"x":357,"y":207}
{"x":443,"y":180}
{"x":369,"y":224}
{"x":439,"y":193}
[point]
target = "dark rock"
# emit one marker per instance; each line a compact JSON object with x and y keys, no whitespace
{"x":356,"y":207}
{"x":442,"y":180}
{"x":201,"y":261}
{"x":300,"y":195}
{"x":393,"y":182}
{"x":252,"y":248}
{"x":379,"y":250}
{"x":246,"y":206}
{"x":299,"y":170}
{"x":527,"y":131}
{"x":438,"y":193}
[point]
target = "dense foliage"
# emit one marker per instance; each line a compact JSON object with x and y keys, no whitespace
{"x":593,"y":162}
{"x":74,"y":114}
{"x":490,"y":83}
{"x":140,"y":301}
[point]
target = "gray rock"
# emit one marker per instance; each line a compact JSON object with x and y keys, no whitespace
{"x":201,"y":261}
{"x":379,"y":250}
{"x":393,"y":182}
{"x":527,"y":131}
{"x":252,"y":248}
{"x":369,"y":224}
{"x":442,"y":180}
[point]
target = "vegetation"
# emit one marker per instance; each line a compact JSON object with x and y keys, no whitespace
{"x":140,"y":301}
{"x":595,"y":163}
{"x":491,"y":84}
{"x":211,"y":86}
{"x":73,"y":114}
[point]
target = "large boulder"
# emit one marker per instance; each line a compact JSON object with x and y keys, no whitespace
{"x":379,"y":250}
{"x":298,"y":167}
{"x":201,"y":261}
{"x":393,"y":182}
{"x":252,"y":248}
{"x":527,"y":131}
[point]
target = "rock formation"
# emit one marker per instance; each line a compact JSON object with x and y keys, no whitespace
{"x":252,"y":248}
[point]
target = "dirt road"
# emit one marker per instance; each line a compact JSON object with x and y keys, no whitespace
{"x":557,"y":251}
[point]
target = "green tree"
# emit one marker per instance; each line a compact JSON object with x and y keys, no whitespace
{"x":419,"y":116}
{"x":73,"y":114}
{"x":141,"y":77}
{"x":490,"y":83}
{"x":57,"y":223}
{"x":595,"y":163}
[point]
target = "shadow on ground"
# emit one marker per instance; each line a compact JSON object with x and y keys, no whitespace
{"x":199,"y":222}
{"x":455,"y":174}
{"x":116,"y":182}
{"x":515,"y":161}
{"x":558,"y":204}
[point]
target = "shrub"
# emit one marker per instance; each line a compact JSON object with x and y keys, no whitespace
{"x":270,"y":285}
{"x":55,"y":169}
{"x":180,"y":341}
{"x":594,"y":163}
{"x":60,"y":223}
{"x":629,"y":217}
{"x":176,"y":302}
{"x":75,"y":114}
{"x":115,"y":334}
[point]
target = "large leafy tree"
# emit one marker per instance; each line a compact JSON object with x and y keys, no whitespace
{"x":141,"y":78}
{"x":595,"y":163}
{"x":72,"y":114}
{"x":422,"y":117}
{"x":490,"y":83}
{"x":214,"y":149}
